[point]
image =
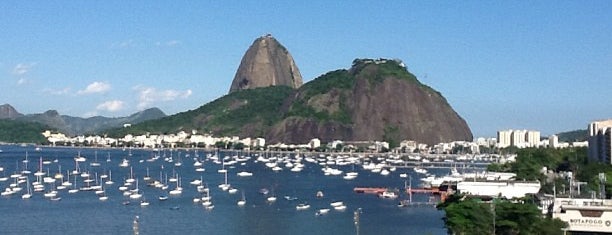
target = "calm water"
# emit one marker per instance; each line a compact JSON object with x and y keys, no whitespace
{"x":84,"y":213}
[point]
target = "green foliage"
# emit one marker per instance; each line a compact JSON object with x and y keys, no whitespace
{"x":377,"y":71}
{"x":392,"y":136}
{"x":224,"y":116}
{"x":473,"y":216}
{"x":498,"y":167}
{"x":516,"y":218}
{"x":338,"y":80}
{"x":530,"y":161}
{"x":573,"y":136}
{"x":468,"y":217}
{"x":12,"y":131}
{"x":590,"y":173}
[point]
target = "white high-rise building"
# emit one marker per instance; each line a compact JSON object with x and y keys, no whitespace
{"x":518,"y":138}
{"x":553,"y":141}
{"x":600,"y":141}
{"x":532,"y":139}
{"x":503,"y":138}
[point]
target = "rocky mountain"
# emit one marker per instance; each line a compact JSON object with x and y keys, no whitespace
{"x":373,"y":100}
{"x":266,"y":63}
{"x":77,"y":126}
{"x":8,"y":112}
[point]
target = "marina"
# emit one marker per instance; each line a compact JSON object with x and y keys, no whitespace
{"x":175,"y":191}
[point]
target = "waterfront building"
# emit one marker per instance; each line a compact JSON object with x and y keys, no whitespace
{"x":314,"y":143}
{"x":590,"y":215}
{"x":499,"y":188}
{"x":259,"y":143}
{"x":600,"y":141}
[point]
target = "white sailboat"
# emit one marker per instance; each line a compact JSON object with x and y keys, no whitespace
{"x":207,"y":202}
{"x":242,"y":201}
{"x":225,"y":186}
{"x":302,"y":206}
{"x":109,"y":181}
{"x":103,"y":196}
{"x":95,"y":163}
{"x":74,"y":188}
{"x":25,"y":171}
{"x":124,"y":163}
{"x":144,"y":202}
{"x":27,"y":195}
{"x":135,"y":192}
{"x":40,"y":171}
{"x":202,"y":188}
{"x":131,"y":179}
{"x":147,"y":177}
{"x":178,"y":190}
{"x":80,"y":158}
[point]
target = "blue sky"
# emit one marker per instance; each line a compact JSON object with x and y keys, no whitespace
{"x":543,"y":65}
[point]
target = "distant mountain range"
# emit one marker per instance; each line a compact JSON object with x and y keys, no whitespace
{"x":76,"y":125}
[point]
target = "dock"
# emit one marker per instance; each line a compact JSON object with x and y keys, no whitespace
{"x":369,"y":190}
{"x":410,"y":190}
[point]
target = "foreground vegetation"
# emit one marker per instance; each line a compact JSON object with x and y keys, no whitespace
{"x":550,"y":166}
{"x":473,"y":216}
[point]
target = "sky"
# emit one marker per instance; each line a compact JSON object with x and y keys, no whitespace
{"x":538,"y":65}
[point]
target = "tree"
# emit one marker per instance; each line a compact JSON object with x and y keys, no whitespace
{"x":239,"y":146}
{"x":468,"y":216}
{"x":472,"y":216}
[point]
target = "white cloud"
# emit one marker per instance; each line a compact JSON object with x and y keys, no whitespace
{"x":63,"y":91}
{"x":111,"y":106}
{"x":124,"y":44}
{"x":21,"y":81}
{"x":173,"y":43}
{"x":95,"y":87}
{"x":170,"y":43}
{"x":21,"y":69}
{"x":147,"y":96}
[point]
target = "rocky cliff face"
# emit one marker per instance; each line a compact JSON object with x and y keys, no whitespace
{"x":8,"y":112}
{"x":374,"y":100}
{"x":266,"y":63}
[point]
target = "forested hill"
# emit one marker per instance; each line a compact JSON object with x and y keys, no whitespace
{"x":12,"y":131}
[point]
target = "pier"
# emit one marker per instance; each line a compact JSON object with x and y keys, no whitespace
{"x":369,"y":190}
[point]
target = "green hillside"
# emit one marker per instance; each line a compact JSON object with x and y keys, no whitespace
{"x":320,"y":108}
{"x":12,"y":131}
{"x":573,"y":136}
{"x":252,"y":111}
